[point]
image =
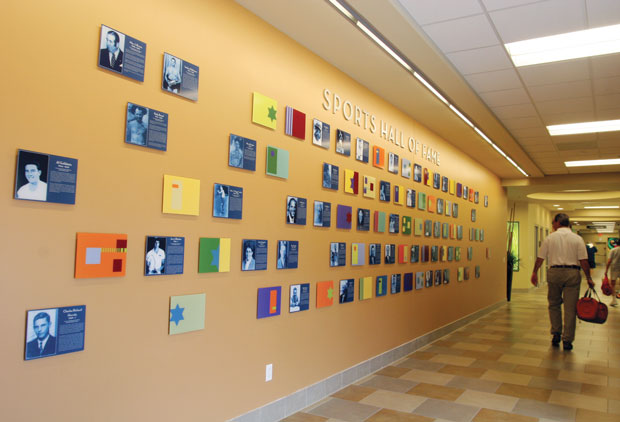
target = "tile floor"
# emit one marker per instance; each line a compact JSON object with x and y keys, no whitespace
{"x":499,"y":368}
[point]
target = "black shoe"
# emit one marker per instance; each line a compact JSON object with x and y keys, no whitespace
{"x":555,"y":341}
{"x":567,"y":345}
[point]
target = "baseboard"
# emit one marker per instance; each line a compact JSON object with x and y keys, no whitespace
{"x":311,"y":394}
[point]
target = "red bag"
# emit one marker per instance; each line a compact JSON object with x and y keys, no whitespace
{"x":606,"y":287}
{"x":590,"y":309}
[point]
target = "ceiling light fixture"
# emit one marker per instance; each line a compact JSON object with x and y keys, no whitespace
{"x":378,"y":39}
{"x":601,"y":207}
{"x":584,"y":127}
{"x":571,"y":45}
{"x":586,"y":163}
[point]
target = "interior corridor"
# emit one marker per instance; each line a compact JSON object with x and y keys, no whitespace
{"x":499,"y":368}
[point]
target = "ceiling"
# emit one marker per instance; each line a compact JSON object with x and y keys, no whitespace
{"x":459,"y":46}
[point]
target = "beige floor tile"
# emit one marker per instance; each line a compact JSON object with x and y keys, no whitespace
{"x":453,"y":360}
{"x":427,"y":376}
{"x":537,"y":371}
{"x":435,"y":391}
{"x":463,"y":371}
{"x":528,"y":346}
{"x":601,"y":391}
{"x":392,"y":400}
{"x":487,"y":336}
{"x":614,"y":406}
{"x":344,"y":409}
{"x":487,"y":400}
{"x":584,"y":415}
{"x":520,"y":360}
{"x":506,"y":377}
{"x":380,"y":382}
{"x":524,"y":392}
{"x":392,"y":371}
{"x":471,"y":346}
{"x":583,"y":377}
{"x":577,"y":400}
{"x":488,"y":415}
{"x":353,"y":392}
{"x":388,"y":415}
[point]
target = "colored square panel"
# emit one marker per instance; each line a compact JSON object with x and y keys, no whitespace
{"x":181,"y":195}
{"x":111,"y":262}
{"x":121,"y":243}
{"x":117,"y":265}
{"x":187,"y":313}
{"x":93,"y":256}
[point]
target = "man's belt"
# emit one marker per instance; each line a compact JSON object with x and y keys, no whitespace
{"x":574,"y":267}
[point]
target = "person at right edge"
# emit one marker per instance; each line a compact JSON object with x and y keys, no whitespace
{"x":614,"y":263}
{"x":566,"y":254}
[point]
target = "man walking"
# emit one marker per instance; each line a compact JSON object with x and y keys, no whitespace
{"x":566,"y":254}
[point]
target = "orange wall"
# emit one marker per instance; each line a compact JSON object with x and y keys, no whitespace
{"x":56,"y":100}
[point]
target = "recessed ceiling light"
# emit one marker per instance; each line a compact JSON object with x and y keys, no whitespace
{"x":586,"y":163}
{"x":576,"y":190}
{"x":560,"y":208}
{"x":584,"y":127}
{"x":601,"y":207}
{"x":556,"y":205}
{"x":571,"y":45}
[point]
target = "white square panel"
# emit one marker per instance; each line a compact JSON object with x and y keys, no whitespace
{"x":603,"y":86}
{"x":608,"y":136}
{"x":539,"y":20}
{"x":603,"y":12}
{"x":513,"y":111}
{"x":462,"y":34}
{"x":540,"y":148}
{"x":606,"y":66}
{"x":522,"y":123}
{"x":606,"y":102}
{"x":582,"y":137}
{"x":480,"y":60}
{"x":558,"y":91}
{"x":493,"y":81}
{"x":506,"y":97}
{"x":534,"y":140}
{"x":530,"y":132}
{"x":550,"y":73}
{"x":429,"y":11}
{"x":504,"y":4}
{"x":559,"y":118}
{"x":569,"y":105}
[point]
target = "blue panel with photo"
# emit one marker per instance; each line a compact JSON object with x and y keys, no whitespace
{"x":242,"y":153}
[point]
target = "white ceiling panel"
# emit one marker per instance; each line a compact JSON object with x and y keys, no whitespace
{"x":514,"y":111}
{"x":534,"y":140}
{"x":530,"y":132}
{"x":493,"y":81}
{"x":427,"y":11}
{"x":608,"y":136}
{"x":523,"y":123}
{"x":605,"y":86}
{"x":532,"y":20}
{"x":574,"y":105}
{"x":480,"y":60}
{"x":607,"y":102}
{"x":558,"y":91}
{"x":504,"y":4}
{"x":603,"y":12}
{"x":606,"y":66}
{"x":551,"y":73}
{"x":559,"y":118}
{"x":583,"y":137}
{"x":462,"y":34}
{"x":506,"y":97}
{"x":540,"y":148}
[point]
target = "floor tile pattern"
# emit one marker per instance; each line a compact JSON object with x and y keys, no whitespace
{"x":499,"y":368}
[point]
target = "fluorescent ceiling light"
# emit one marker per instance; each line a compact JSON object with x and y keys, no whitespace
{"x":572,"y":45}
{"x":586,"y":163}
{"x":458,"y":113}
{"x":584,"y":127}
{"x":576,"y":190}
{"x":556,"y":205}
{"x":430,"y":87}
{"x":384,"y":46}
{"x":602,"y":207}
{"x":560,"y":208}
{"x":342,"y":9}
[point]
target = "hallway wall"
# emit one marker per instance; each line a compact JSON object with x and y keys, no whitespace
{"x":61,"y":103}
